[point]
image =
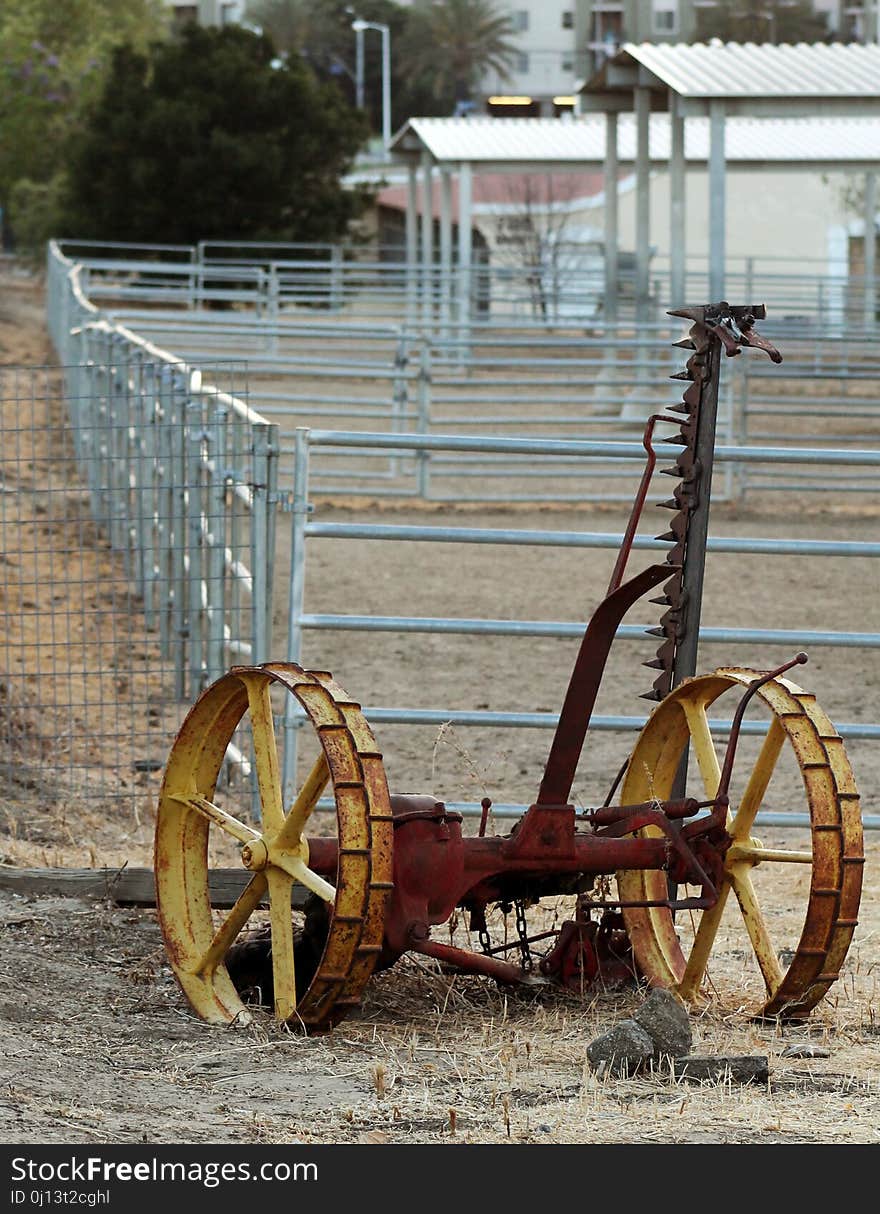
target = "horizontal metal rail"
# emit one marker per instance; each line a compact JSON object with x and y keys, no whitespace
{"x":794,"y":638}
{"x":551,"y":446}
{"x":581,"y":539}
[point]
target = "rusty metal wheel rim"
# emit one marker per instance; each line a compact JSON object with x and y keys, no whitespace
{"x":350,"y":765}
{"x":836,"y":857}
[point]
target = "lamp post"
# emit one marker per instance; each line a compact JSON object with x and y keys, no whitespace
{"x":359,"y":27}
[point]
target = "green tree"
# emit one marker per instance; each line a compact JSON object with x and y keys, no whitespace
{"x":761,"y":21}
{"x":54,"y":54}
{"x":450,"y":45}
{"x":209,"y":135}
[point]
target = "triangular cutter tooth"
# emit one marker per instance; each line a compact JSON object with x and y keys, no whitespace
{"x":697,"y":315}
{"x":673,"y":535}
{"x":663,"y":600}
{"x":663,"y":686}
{"x":651,"y":695}
{"x":676,"y":471}
{"x":655,"y":664}
{"x":655,"y":632}
{"x":685,"y":344}
{"x":682,"y":375}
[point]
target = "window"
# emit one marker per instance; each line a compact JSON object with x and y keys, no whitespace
{"x":521,"y":20}
{"x":665,"y":17}
{"x":184,"y":13}
{"x":522,"y":63}
{"x":568,"y":19}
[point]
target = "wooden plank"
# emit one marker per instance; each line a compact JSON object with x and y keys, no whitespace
{"x":122,"y":886}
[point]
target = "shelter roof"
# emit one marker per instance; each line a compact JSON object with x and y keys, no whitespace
{"x":541,"y":144}
{"x":751,"y":78}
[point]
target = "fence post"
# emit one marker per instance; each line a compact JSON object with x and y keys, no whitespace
{"x":215,"y":539}
{"x":263,"y":490}
{"x":194,"y":439}
{"x":179,"y":600}
{"x":273,"y":309}
{"x":739,"y":422}
{"x":336,"y":278}
{"x":299,"y":511}
{"x":164,"y":509}
{"x":424,"y":418}
{"x":117,"y":472}
{"x":399,"y":394}
{"x":149,"y":495}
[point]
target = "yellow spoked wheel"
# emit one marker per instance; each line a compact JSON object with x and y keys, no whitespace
{"x":191,"y":826}
{"x":674,"y":952}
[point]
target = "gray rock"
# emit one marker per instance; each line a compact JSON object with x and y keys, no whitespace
{"x":665,"y":1019}
{"x":624,"y":1049}
{"x":723,"y":1068}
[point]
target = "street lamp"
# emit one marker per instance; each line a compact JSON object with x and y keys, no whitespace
{"x":359,"y":27}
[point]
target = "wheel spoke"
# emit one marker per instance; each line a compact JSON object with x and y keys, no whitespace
{"x":304,"y":805}
{"x":299,"y":871}
{"x":265,"y":752}
{"x":281,"y":920}
{"x":702,"y":946}
{"x":761,"y":855}
{"x":704,"y":747}
{"x":238,"y":916}
{"x":741,"y":826}
{"x":755,"y":926}
{"x":232,"y":826}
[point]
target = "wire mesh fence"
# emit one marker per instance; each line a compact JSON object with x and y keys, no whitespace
{"x":135,"y":537}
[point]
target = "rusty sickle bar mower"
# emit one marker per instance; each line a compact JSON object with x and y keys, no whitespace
{"x":370,"y":880}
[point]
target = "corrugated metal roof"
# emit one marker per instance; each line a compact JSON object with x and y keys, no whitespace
{"x":508,"y":139}
{"x":731,"y":69}
{"x":581,"y":141}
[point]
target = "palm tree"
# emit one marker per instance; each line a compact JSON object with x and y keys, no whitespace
{"x":452,"y":44}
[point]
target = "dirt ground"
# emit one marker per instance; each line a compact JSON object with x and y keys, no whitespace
{"x":98,"y":1045}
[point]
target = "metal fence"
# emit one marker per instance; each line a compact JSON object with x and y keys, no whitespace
{"x":314,"y":358}
{"x":563,"y":285}
{"x":303,"y":528}
{"x":138,"y":535}
{"x":174,"y":491}
{"x":598,"y":386}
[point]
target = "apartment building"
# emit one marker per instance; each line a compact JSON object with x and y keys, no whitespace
{"x":601,"y":26}
{"x":541,"y":79}
{"x":563,"y":42}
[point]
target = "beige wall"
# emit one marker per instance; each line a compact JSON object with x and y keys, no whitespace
{"x":769,"y":214}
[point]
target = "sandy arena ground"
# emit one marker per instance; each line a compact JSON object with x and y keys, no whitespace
{"x":98,"y":1045}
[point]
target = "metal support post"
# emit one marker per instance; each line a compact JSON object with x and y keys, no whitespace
{"x":427,"y":237}
{"x":677,"y":207}
{"x":299,"y":514}
{"x":870,"y":250}
{"x":717,"y":200}
{"x":611,"y":220}
{"x":643,"y":203}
